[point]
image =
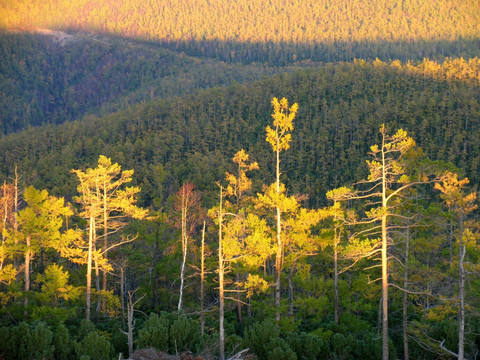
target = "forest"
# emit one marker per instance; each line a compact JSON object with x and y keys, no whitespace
{"x":239,"y":180}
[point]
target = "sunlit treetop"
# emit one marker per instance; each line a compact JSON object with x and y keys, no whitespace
{"x":239,"y":183}
{"x":283,"y":116}
{"x":453,"y":193}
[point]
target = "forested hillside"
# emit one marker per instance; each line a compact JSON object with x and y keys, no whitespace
{"x":289,"y":180}
{"x":51,"y":77}
{"x":341,"y":106}
{"x":246,"y":30}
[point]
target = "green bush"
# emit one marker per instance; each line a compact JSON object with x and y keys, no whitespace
{"x":42,"y":347}
{"x":308,"y":346}
{"x":85,"y":328}
{"x":22,"y":338}
{"x":342,"y":345}
{"x":258,"y":336}
{"x":94,"y":346}
{"x":278,"y":349}
{"x":63,"y":343}
{"x":154,"y":333}
{"x":184,"y":335}
{"x":7,"y":346}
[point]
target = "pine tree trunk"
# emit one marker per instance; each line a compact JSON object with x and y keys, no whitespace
{"x":28,"y":256}
{"x":130,"y":324}
{"x":405,"y":297}
{"x":105,"y":245}
{"x":202,"y":283}
{"x":97,"y":288}
{"x":239,"y":302}
{"x":279,"y":255}
{"x":184,"y":248}
{"x":335,"y":280}
{"x":221,"y":274}
{"x":15,"y":225}
{"x":461,"y":293}
{"x":122,"y":296}
{"x":291,"y":289}
{"x":88,"y":292}
{"x":384,"y":253}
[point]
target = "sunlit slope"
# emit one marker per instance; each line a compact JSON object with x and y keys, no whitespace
{"x":341,"y":109}
{"x":255,"y":20}
{"x":290,"y":22}
{"x":52,"y":77}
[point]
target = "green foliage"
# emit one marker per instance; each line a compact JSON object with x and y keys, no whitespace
{"x":258,"y":336}
{"x":154,"y":333}
{"x":184,"y":335}
{"x":27,"y":341}
{"x":63,"y":343}
{"x":42,"y":342}
{"x":7,"y":345}
{"x":87,"y":76}
{"x":342,"y":346}
{"x":172,"y":333}
{"x":21,"y":336}
{"x":308,"y":346}
{"x":85,"y":328}
{"x":278,"y":349}
{"x":94,"y":346}
{"x":55,"y":286}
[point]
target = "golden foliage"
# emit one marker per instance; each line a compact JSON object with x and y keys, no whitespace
{"x":283,"y":117}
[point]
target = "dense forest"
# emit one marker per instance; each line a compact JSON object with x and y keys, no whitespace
{"x":69,"y":76}
{"x":239,"y":180}
{"x":246,"y":30}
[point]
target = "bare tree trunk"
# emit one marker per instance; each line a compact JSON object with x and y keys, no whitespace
{"x":384,"y":256}
{"x":130,"y":321}
{"x":202,"y":283}
{"x":130,"y":324}
{"x":184,"y":248}
{"x":28,"y":257}
{"x":15,"y":223}
{"x":335,"y":279}
{"x":461,"y":293}
{"x":88,"y":292}
{"x":384,"y":290}
{"x":221,"y":272}
{"x":154,"y":277}
{"x":105,"y":246}
{"x":5,"y":212}
{"x":405,"y":297}
{"x":290,"y":288}
{"x":122,"y":295}
{"x":239,"y":302}
{"x":279,"y":254}
{"x":450,"y":242}
{"x":379,"y":318}
{"x":97,"y":288}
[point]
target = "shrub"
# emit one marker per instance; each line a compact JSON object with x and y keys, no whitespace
{"x":258,"y":336}
{"x":278,"y":349}
{"x":42,"y":346}
{"x":22,"y":337}
{"x":154,"y":333}
{"x":94,"y":346}
{"x":184,"y":335}
{"x":63,"y":343}
{"x":308,"y":346}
